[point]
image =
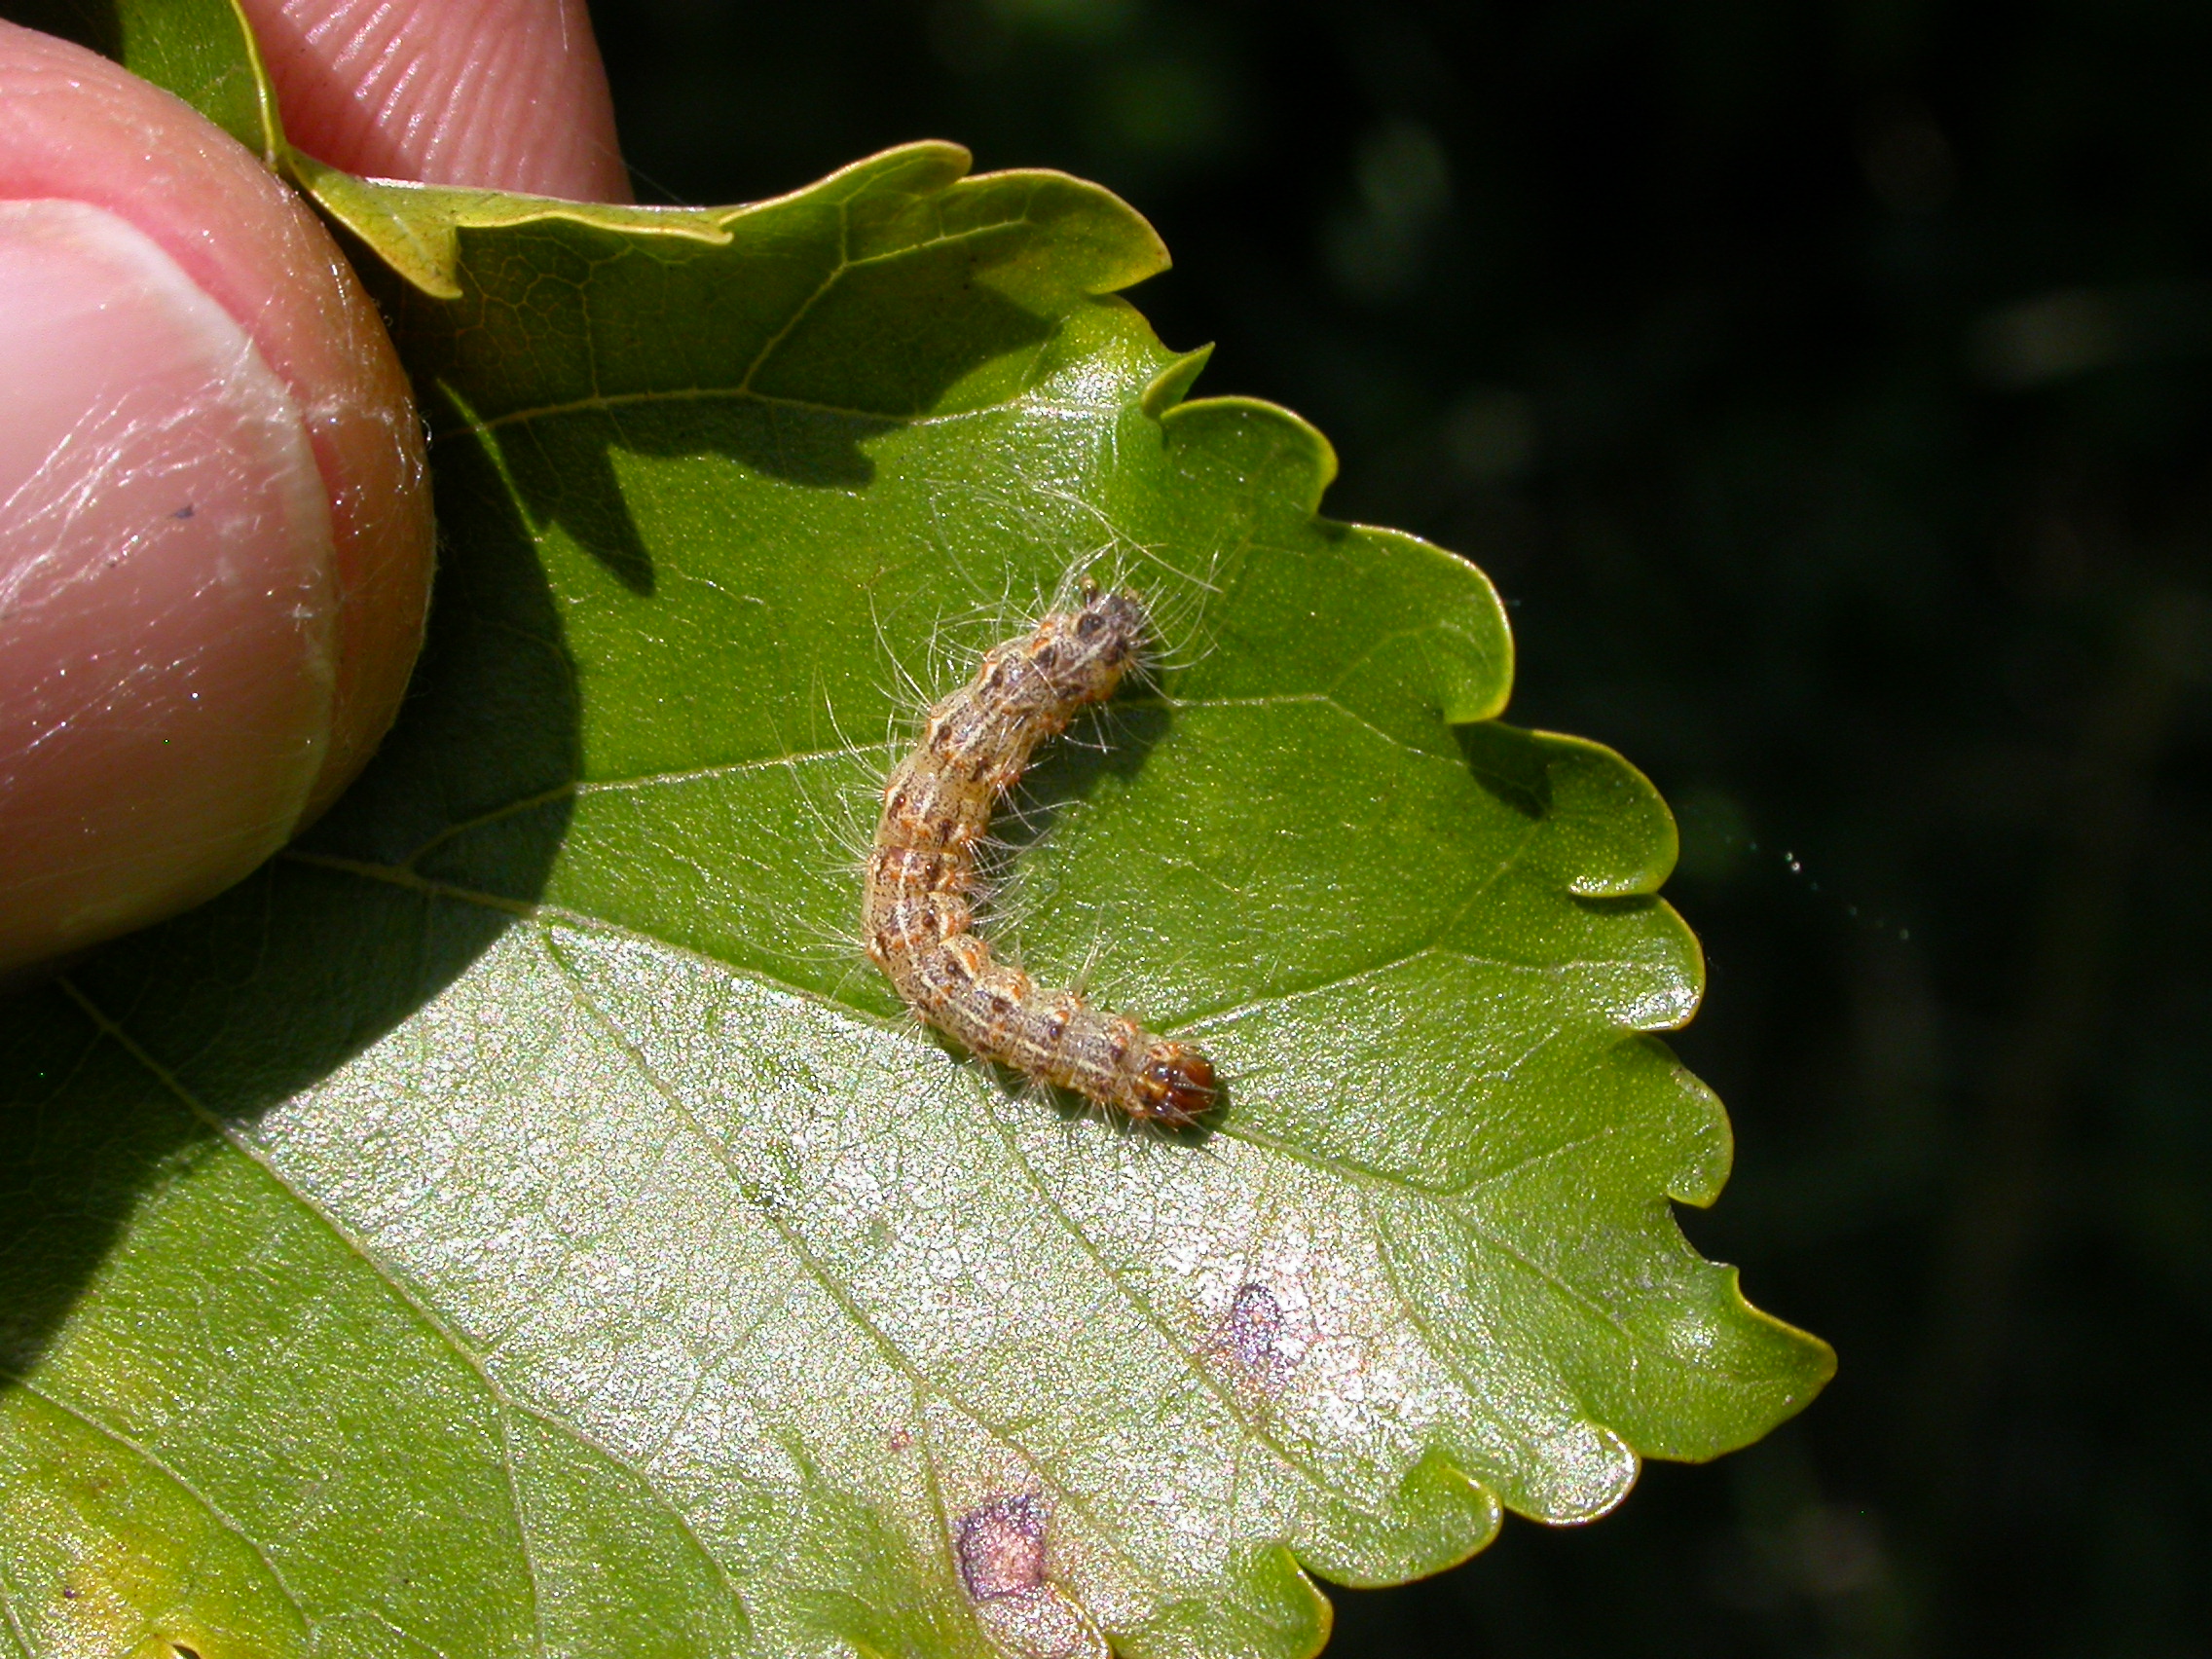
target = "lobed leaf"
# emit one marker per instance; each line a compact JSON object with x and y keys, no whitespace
{"x":518,"y":1219}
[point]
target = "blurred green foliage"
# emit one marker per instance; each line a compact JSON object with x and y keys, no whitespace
{"x":1825,"y":387}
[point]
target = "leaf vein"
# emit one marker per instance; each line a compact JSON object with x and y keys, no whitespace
{"x":1184,"y":1359}
{"x":522,"y":1533}
{"x":215,"y":1511}
{"x":408,"y":1298}
{"x":15,"y":1631}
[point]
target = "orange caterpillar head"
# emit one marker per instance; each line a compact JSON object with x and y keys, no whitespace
{"x":1175,"y":1085}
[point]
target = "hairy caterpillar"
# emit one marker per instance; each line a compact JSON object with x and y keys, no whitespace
{"x":916,"y":916}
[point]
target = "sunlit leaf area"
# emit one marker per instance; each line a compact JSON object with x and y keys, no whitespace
{"x":521,"y":1218}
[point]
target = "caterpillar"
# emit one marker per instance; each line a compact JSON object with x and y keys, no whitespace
{"x":918,"y":918}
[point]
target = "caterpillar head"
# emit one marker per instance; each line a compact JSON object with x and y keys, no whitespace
{"x":1175,"y":1085}
{"x":1110,"y":627}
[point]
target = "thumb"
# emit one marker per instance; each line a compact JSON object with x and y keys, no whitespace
{"x":214,"y":530}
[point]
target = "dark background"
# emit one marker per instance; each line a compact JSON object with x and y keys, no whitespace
{"x":1825,"y":386}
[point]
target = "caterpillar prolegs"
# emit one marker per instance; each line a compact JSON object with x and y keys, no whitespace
{"x":917,"y":916}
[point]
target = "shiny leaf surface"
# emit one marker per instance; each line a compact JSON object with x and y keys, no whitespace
{"x":518,"y":1220}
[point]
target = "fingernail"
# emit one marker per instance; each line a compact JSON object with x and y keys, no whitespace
{"x":167,"y":611}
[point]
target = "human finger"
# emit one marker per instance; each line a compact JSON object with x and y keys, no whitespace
{"x":504,"y":94}
{"x":214,"y":522}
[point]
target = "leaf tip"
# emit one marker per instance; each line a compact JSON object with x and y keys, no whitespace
{"x":1168,"y":388}
{"x":1622,"y":842}
{"x":924,"y":168}
{"x":1107,"y":244}
{"x":1709,"y":1142}
{"x":1814,"y":1357}
{"x":1301,"y":1610}
{"x":1779,"y":1368}
{"x":1439,"y":1517}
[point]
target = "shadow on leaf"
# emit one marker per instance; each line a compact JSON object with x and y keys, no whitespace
{"x":1510,"y":763}
{"x":123,"y":1071}
{"x":786,"y":361}
{"x":120,"y":1073}
{"x":1113,"y":741}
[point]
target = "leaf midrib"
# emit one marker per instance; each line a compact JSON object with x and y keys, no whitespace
{"x":892,"y":1355}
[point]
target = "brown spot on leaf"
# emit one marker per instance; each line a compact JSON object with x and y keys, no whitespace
{"x":1001,"y":1546}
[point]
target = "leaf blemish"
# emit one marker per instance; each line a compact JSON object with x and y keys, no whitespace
{"x":1257,"y":1336}
{"x":657,"y":1076}
{"x":1001,"y":1546}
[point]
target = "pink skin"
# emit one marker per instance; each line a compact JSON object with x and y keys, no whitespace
{"x":181,"y":691}
{"x":501,"y":93}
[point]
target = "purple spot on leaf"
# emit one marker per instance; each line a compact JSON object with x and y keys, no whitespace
{"x":1255,"y":1336}
{"x":1001,"y":1547}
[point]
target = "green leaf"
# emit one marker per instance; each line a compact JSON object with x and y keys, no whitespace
{"x":518,"y":1219}
{"x":414,"y":229}
{"x":201,"y":50}
{"x":204,"y":51}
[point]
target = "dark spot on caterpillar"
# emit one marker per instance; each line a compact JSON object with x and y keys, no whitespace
{"x":1001,"y":1546}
